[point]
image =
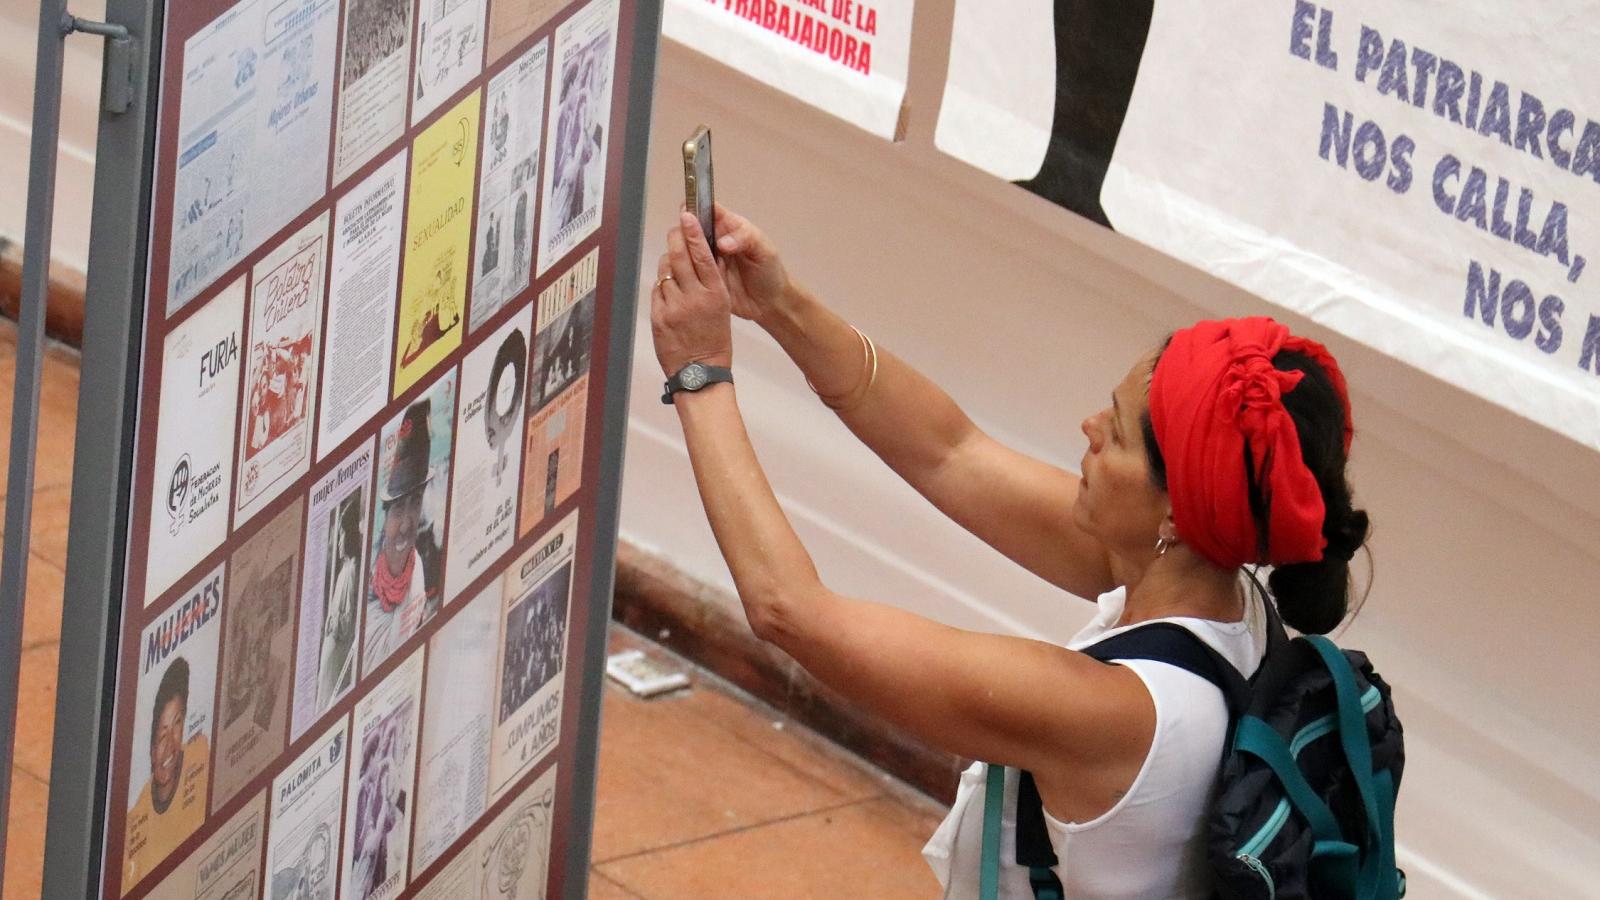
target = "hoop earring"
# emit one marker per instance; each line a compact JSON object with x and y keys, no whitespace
{"x":1162,"y":544}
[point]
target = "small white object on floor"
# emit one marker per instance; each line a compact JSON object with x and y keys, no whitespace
{"x":643,"y":676}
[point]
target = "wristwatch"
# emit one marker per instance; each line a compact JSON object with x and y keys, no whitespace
{"x":693,"y":377}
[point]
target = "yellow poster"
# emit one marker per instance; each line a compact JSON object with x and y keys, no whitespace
{"x":433,"y":286}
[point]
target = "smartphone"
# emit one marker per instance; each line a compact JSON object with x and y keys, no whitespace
{"x":697,"y":192}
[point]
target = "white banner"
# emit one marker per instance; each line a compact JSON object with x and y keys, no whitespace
{"x":845,"y":57}
{"x":1000,"y":87}
{"x":1423,"y":180}
{"x":1422,"y":177}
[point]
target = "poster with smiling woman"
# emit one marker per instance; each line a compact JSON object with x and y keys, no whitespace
{"x":171,"y":761}
{"x":405,"y":586}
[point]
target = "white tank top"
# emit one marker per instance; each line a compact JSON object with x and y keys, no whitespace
{"x":1152,"y":842}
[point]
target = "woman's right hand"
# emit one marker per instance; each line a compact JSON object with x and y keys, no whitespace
{"x":756,"y":278}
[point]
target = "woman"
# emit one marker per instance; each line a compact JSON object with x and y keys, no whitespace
{"x":1226,"y":447}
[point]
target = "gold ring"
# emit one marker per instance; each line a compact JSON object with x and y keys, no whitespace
{"x":663,"y":280}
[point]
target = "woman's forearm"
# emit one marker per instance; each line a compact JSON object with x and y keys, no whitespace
{"x":905,"y":418}
{"x":771,"y":568}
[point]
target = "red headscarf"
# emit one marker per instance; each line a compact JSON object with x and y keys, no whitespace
{"x":1213,"y":396}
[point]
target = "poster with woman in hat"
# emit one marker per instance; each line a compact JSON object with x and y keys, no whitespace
{"x":405,"y":586}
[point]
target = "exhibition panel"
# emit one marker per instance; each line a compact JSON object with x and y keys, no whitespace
{"x":363,"y":485}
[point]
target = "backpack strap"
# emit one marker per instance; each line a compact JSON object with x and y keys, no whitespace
{"x":1034,"y":849}
{"x":1377,"y":878}
{"x":1171,"y":643}
{"x":1166,"y":642}
{"x":993,"y":803}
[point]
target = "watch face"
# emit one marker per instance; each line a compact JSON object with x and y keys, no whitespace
{"x":693,"y":377}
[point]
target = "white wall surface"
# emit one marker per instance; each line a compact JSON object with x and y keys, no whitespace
{"x":1486,"y":534}
{"x":1487,"y":588}
{"x":19,"y":37}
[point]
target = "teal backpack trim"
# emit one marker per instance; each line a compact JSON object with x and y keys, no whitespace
{"x":993,"y":800}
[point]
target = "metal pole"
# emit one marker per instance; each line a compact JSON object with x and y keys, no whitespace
{"x":54,"y":25}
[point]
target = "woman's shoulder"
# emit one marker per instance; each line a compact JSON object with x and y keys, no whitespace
{"x":1242,"y":642}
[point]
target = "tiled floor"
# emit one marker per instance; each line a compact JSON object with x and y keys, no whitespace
{"x":702,"y":794}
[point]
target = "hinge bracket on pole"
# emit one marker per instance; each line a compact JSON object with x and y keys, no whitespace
{"x":121,"y":61}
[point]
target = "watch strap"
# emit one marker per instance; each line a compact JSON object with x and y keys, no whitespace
{"x":713,"y":375}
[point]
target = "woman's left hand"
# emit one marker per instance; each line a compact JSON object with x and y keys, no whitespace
{"x":690,"y":307}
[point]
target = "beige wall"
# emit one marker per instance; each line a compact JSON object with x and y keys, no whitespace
{"x":1488,"y":565}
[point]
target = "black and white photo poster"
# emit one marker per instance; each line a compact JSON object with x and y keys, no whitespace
{"x":483,"y":490}
{"x":372,"y":81}
{"x":536,"y":598}
{"x":578,"y":130}
{"x":509,"y":184}
{"x":361,"y":290}
{"x":303,"y":836}
{"x":200,"y":366}
{"x":378,"y":814}
{"x":333,"y":587}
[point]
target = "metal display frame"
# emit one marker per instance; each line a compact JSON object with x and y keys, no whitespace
{"x":76,"y":851}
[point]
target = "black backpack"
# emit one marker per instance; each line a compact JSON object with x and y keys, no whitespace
{"x":1304,"y":805}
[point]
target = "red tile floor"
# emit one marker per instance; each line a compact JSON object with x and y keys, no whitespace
{"x":703,"y":794}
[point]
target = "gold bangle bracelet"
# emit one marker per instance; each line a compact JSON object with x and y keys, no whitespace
{"x":871,"y":377}
{"x":869,"y":374}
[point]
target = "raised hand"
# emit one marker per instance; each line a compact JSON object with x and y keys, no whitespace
{"x":757,"y":280}
{"x":690,"y":304}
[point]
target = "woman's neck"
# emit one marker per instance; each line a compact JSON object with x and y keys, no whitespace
{"x":1182,"y":583}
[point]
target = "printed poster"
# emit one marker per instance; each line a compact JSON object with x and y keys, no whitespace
{"x":257,"y":90}
{"x":454,"y":786}
{"x":378,"y":817}
{"x":307,"y":807}
{"x":536,"y":595}
{"x":564,"y":344}
{"x":405,"y":583}
{"x":849,"y":59}
{"x":578,"y":130}
{"x":553,"y":470}
{"x":372,"y":81}
{"x":558,"y":391}
{"x":281,"y":367}
{"x":483,"y":491}
{"x":334,"y":587}
{"x":227,"y":866}
{"x":449,"y":51}
{"x":170,"y":763}
{"x":361,"y":292}
{"x":510,"y":859}
{"x":433,"y":291}
{"x":511,"y":21}
{"x":508,"y":189}
{"x":263,"y":583}
{"x":194,"y":440}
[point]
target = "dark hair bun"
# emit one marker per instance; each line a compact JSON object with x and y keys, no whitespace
{"x":1314,"y":597}
{"x":1346,"y":536}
